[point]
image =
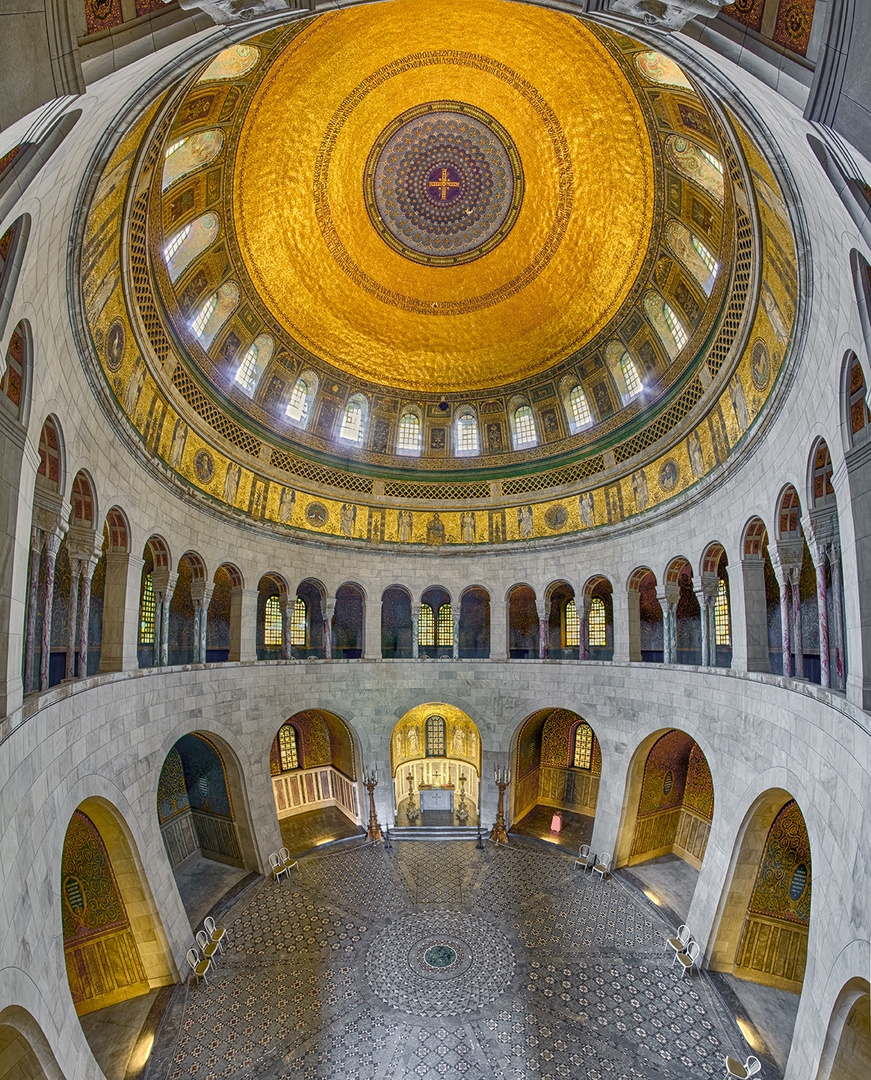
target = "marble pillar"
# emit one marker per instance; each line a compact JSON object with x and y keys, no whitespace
{"x":456,"y":619}
{"x":52,"y":545}
{"x":838,"y":616}
{"x":543,"y":609}
{"x":285,"y":606}
{"x":37,"y":540}
{"x":584,"y":635}
{"x":329,"y":610}
{"x":705,"y":623}
{"x":415,"y":631}
{"x":819,"y":555}
{"x":797,"y":643}
{"x":75,"y":574}
{"x":201,"y":595}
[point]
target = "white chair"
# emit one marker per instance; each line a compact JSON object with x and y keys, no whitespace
{"x":585,"y":857}
{"x":216,"y":933}
{"x":750,"y":1067}
{"x":207,"y":947}
{"x":680,"y":942}
{"x":286,"y":860}
{"x":278,"y":867}
{"x":198,"y":967}
{"x":688,"y":959}
{"x":603,"y":866}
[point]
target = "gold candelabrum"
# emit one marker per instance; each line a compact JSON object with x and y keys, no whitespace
{"x":499,"y":835}
{"x":462,"y":811}
{"x":370,"y":780}
{"x":411,"y":811}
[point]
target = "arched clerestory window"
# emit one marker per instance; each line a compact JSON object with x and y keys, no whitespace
{"x":147,"y":608}
{"x":272,"y":629}
{"x":409,"y":439}
{"x":435,"y":736}
{"x":630,"y":376}
{"x":524,"y":427}
{"x":721,"y":615}
{"x":426,"y":626}
{"x":298,"y":623}
{"x":597,"y":634}
{"x":579,"y":407}
{"x":571,"y":624}
{"x":445,"y":626}
{"x":354,"y":420}
{"x":467,"y":434}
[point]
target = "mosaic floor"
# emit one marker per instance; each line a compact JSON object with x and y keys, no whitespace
{"x":437,"y":959}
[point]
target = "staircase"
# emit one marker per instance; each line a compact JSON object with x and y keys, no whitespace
{"x":436,"y":832}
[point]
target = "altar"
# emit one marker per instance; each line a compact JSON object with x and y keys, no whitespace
{"x":437,"y":798}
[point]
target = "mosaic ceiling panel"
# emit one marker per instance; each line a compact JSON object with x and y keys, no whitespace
{"x":611,"y":212}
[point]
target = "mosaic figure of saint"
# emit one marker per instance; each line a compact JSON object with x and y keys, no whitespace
{"x":285,"y":505}
{"x":348,"y":518}
{"x":739,"y":402}
{"x":406,"y":521}
{"x":468,"y":524}
{"x":435,"y":531}
{"x":413,"y":742}
{"x":525,"y":522}
{"x":179,"y":438}
{"x":639,"y":489}
{"x":231,"y":483}
{"x":586,"y":508}
{"x":134,"y":387}
{"x":694,"y":449}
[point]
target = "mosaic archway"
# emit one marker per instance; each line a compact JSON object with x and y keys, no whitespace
{"x":435,"y":760}
{"x":312,"y":766}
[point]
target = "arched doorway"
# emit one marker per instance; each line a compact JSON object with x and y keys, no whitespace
{"x":435,"y":759}
{"x":847,"y":1050}
{"x":314,"y":781}
{"x":202,"y":810}
{"x":669,"y":808}
{"x":24,"y":1051}
{"x":558,"y":766}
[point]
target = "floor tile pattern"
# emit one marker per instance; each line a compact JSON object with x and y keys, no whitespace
{"x":545,"y":974}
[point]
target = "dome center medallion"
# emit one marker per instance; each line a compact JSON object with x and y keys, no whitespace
{"x":443,"y":184}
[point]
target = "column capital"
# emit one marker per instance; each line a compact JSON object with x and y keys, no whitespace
{"x":543,"y":608}
{"x":786,"y":555}
{"x":586,"y":604}
{"x":668,"y":594}
{"x":163,"y":581}
{"x":329,"y":608}
{"x":201,"y":590}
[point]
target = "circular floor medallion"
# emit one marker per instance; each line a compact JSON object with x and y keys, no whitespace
{"x":443,"y":184}
{"x":439,"y":963}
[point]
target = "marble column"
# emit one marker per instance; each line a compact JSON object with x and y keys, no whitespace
{"x":243,"y":624}
{"x":543,"y":609}
{"x":819,"y":556}
{"x":121,"y":598}
{"x":329,"y":610}
{"x":837,"y":614}
{"x":782,"y":575}
{"x":89,"y":565}
{"x":705,"y":627}
{"x":37,"y":540}
{"x":201,"y":595}
{"x":285,"y":606}
{"x":52,"y":545}
{"x":415,"y":631}
{"x":584,"y":635}
{"x":456,"y":619}
{"x":164,"y":583}
{"x":75,"y":574}
{"x":498,"y":631}
{"x":668,"y":596}
{"x":632,"y":626}
{"x":797,"y":643}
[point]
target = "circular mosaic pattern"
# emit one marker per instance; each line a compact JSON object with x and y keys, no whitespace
{"x":556,"y":517}
{"x":760,"y":367}
{"x":439,"y":963}
{"x":204,"y":466}
{"x":115,"y":338}
{"x":317,"y":513}
{"x":443,"y":184}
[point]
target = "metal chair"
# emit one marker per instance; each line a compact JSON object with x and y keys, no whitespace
{"x":750,"y":1067}
{"x":207,"y":947}
{"x":585,"y":857}
{"x":603,"y":866}
{"x":198,"y":966}
{"x":278,"y":867}
{"x":689,"y":959}
{"x":286,"y":859}
{"x":680,"y":942}
{"x":216,"y":933}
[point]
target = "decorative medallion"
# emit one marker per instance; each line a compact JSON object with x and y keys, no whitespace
{"x":439,"y":963}
{"x":760,"y":367}
{"x":204,"y":466}
{"x":115,"y":338}
{"x":316,"y":514}
{"x":668,"y":475}
{"x":668,"y":783}
{"x":798,"y":884}
{"x":443,"y":184}
{"x":556,"y":517}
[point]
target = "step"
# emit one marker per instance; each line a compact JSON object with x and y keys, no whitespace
{"x":435,"y":832}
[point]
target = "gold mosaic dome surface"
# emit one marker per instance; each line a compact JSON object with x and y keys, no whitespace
{"x":410,"y":214}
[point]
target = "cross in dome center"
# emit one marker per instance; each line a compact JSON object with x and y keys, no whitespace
{"x":444,"y":184}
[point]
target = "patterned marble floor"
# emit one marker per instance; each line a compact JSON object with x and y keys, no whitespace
{"x":438,"y":960}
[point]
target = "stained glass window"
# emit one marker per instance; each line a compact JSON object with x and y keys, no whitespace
{"x":467,"y":435}
{"x":245,"y":375}
{"x":524,"y":427}
{"x":297,"y":408}
{"x":596,"y":624}
{"x":426,"y":626}
{"x":721,"y":615}
{"x":572,"y":624}
{"x":272,"y":622}
{"x":199,"y":323}
{"x":146,"y":612}
{"x":435,"y":736}
{"x":409,"y":433}
{"x":298,"y":623}
{"x":175,"y":243}
{"x":352,"y":424}
{"x":287,"y":747}
{"x":583,"y":750}
{"x":630,"y":375}
{"x":445,"y":626}
{"x":580,"y":407}
{"x":860,"y":417}
{"x":709,"y":157}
